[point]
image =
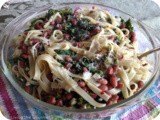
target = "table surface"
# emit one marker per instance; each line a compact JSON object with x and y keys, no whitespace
{"x":144,"y":10}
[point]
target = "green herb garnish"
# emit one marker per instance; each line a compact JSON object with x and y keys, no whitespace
{"x":129,"y":25}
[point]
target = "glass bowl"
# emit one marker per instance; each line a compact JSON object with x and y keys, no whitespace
{"x":145,"y":38}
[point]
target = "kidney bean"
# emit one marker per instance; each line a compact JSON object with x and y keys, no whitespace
{"x":96,"y":30}
{"x":59,"y":20}
{"x":102,"y":81}
{"x":28,"y":89}
{"x":59,"y":26}
{"x":22,"y":64}
{"x":69,"y":96}
{"x":132,"y":86}
{"x":109,"y":102}
{"x":25,"y":56}
{"x":110,"y":71}
{"x":111,"y":38}
{"x":59,"y":91}
{"x":68,"y":65}
{"x":52,"y":23}
{"x":122,"y":26}
{"x":81,"y":84}
{"x":94,"y":96}
{"x":74,"y":22}
{"x":85,"y":69}
{"x":107,"y":92}
{"x":113,"y":81}
{"x":49,"y":76}
{"x":120,"y":56}
{"x":38,"y":26}
{"x":59,"y":102}
{"x":119,"y":100}
{"x":52,"y":100}
{"x":66,"y":36}
{"x":77,"y":44}
{"x":140,"y":84}
{"x":34,"y":41}
{"x":133,"y":39}
{"x":114,"y":97}
{"x":120,"y":85}
{"x":133,"y":34}
{"x":109,"y":87}
{"x":103,"y":87}
{"x":68,"y":59}
{"x":85,"y":89}
{"x":115,"y":68}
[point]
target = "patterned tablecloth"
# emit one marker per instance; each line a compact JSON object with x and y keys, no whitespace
{"x":15,"y":107}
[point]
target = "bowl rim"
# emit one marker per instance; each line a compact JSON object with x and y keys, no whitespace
{"x":45,"y":105}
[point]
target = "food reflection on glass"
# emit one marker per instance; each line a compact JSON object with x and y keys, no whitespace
{"x":83,"y":58}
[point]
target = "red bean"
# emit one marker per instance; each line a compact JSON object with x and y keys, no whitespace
{"x":52,"y":23}
{"x":103,"y":87}
{"x":81,"y":84}
{"x":109,"y":102}
{"x":28,"y":89}
{"x":25,"y":56}
{"x":77,"y":44}
{"x":122,"y":26}
{"x":120,"y":56}
{"x":109,"y":87}
{"x":34,"y":41}
{"x":49,"y":76}
{"x":59,"y":20}
{"x":85,"y":89}
{"x":22,"y":64}
{"x":59,"y":91}
{"x":132,"y":86}
{"x":107,"y":92}
{"x":133,"y":34}
{"x":115,"y":68}
{"x":74,"y":22}
{"x":102,"y":92}
{"x":94,"y":96}
{"x":110,"y":71}
{"x":59,"y":102}
{"x":67,"y":65}
{"x":52,"y":100}
{"x":38,"y":26}
{"x":96,"y":30}
{"x":102,"y":81}
{"x":68,"y":59}
{"x":21,"y":45}
{"x":113,"y":81}
{"x":120,"y":85}
{"x":85,"y":69}
{"x":133,"y":39}
{"x":112,"y":38}
{"x":114,"y":97}
{"x":59,"y":26}
{"x":140,"y":84}
{"x":78,"y":59}
{"x":69,"y":96}
{"x":66,"y":36}
{"x":119,"y":100}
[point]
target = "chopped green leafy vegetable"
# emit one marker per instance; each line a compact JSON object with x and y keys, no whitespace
{"x":66,"y":52}
{"x":63,"y":12}
{"x":129,"y":25}
{"x":88,"y":106}
{"x":94,"y":70}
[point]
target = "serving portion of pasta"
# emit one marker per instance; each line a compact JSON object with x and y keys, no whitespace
{"x":83,"y":58}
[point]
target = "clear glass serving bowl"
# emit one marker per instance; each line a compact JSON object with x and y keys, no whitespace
{"x":145,"y":38}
